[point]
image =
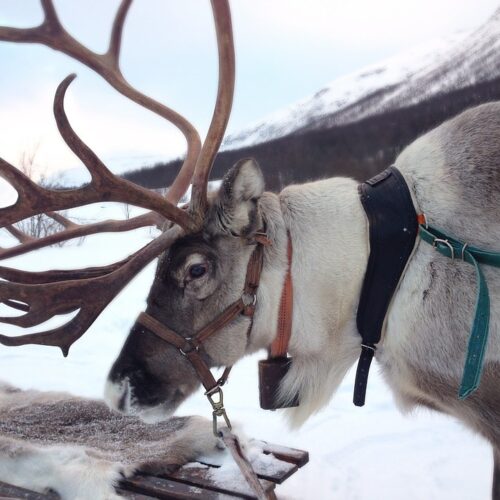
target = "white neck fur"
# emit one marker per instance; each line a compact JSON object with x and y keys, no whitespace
{"x":329,"y":234}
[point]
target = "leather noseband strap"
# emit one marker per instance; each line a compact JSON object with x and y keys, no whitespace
{"x":190,"y":346}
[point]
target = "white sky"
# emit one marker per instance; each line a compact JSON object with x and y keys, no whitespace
{"x":286,"y":49}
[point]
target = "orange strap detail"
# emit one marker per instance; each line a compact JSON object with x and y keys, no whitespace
{"x":279,"y":347}
{"x":422,"y":220}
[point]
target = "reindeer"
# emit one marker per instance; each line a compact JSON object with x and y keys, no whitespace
{"x":224,"y":260}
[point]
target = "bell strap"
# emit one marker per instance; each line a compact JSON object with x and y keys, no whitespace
{"x":279,"y":347}
{"x":455,"y":249}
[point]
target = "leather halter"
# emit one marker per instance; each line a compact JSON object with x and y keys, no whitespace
{"x":190,"y":346}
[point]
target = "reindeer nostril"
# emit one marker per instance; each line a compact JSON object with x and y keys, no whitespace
{"x":122,"y":370}
{"x":123,"y":402}
{"x":142,"y":388}
{"x":178,"y":396}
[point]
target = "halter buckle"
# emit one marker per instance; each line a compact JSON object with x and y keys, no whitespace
{"x":216,"y":398}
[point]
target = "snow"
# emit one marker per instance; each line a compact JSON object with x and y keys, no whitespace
{"x":355,"y":453}
{"x":226,"y":471}
{"x":228,"y":474}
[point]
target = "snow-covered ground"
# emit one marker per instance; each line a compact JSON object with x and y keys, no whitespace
{"x":356,"y":453}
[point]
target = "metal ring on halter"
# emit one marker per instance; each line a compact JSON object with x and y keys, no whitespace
{"x":444,"y":242}
{"x":369,"y":347}
{"x":212,"y":391}
{"x":193,"y":347}
{"x":249,"y":299}
{"x":463,"y":251}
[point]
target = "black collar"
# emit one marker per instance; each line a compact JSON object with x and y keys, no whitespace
{"x":393,"y":231}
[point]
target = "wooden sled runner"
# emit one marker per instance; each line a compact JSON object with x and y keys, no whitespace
{"x":197,"y":480}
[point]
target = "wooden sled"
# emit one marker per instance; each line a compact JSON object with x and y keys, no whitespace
{"x":197,"y":480}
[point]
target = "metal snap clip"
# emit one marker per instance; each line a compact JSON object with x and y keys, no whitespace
{"x":216,"y":398}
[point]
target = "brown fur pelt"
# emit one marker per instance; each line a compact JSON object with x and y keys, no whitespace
{"x":81,"y":449}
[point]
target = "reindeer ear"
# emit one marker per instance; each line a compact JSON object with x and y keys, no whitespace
{"x":235,"y":209}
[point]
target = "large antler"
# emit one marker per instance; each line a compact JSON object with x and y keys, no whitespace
{"x":88,"y":291}
{"x":104,"y":186}
{"x":225,"y":91}
{"x":52,"y":34}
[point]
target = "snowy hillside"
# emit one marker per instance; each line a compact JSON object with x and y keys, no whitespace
{"x":356,"y":453}
{"x":409,"y":78}
{"x":118,"y":165}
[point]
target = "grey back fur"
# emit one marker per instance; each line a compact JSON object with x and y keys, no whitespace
{"x":454,"y":172}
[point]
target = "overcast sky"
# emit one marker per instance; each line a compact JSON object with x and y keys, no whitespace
{"x":285,"y":50}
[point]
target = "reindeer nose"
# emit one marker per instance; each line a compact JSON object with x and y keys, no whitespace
{"x":117,"y":395}
{"x":118,"y":390}
{"x":119,"y":373}
{"x":130,"y":384}
{"x":124,"y":400}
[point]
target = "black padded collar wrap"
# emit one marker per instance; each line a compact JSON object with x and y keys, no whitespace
{"x":393,"y":230}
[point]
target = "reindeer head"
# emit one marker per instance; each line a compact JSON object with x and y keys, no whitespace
{"x":201,"y":275}
{"x":203,"y":253}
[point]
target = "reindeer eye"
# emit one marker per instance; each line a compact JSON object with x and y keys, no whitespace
{"x":197,"y":271}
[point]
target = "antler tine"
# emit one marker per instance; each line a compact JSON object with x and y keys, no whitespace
{"x":52,"y":34}
{"x":225,"y":44}
{"x":22,"y":237}
{"x":87,"y":295}
{"x":60,"y":219}
{"x":105,"y":186}
{"x":35,"y":278}
{"x":50,"y":13}
{"x":117,"y":31}
{"x":86,"y":292}
{"x":79,"y":231}
{"x":16,"y":305}
{"x":99,"y":172}
{"x":18,"y":180}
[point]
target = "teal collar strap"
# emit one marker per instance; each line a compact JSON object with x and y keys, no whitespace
{"x":455,"y":249}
